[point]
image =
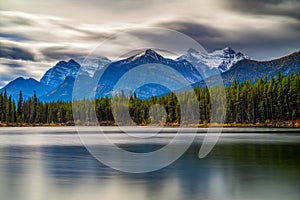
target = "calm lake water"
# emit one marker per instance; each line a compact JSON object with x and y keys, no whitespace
{"x":247,"y":163}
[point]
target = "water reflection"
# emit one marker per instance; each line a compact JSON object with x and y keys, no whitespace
{"x":243,"y":170}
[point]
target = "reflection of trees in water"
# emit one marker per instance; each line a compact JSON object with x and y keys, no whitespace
{"x":281,"y":155}
{"x":70,"y":162}
{"x":15,"y":159}
{"x":228,"y":170}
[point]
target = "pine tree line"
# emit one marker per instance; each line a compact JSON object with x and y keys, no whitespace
{"x":274,"y":100}
{"x":266,"y":100}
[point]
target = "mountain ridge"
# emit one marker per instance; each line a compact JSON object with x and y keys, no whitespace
{"x":117,"y":69}
{"x":253,"y":70}
{"x":62,"y":80}
{"x":27,"y":86}
{"x":222,"y":59}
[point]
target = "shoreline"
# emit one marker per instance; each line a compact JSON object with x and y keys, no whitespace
{"x":281,"y":124}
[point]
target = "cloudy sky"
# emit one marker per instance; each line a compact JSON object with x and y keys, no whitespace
{"x":35,"y":34}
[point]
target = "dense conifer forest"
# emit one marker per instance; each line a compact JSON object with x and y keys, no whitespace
{"x":269,"y":101}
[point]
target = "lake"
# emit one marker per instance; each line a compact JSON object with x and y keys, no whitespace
{"x":44,"y":163}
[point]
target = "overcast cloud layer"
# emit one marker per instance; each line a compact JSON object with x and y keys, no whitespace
{"x":35,"y":34}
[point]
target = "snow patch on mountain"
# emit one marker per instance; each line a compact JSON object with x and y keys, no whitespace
{"x":57,"y":74}
{"x":222,"y":59}
{"x":92,"y":64}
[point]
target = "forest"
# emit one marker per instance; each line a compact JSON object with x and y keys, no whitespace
{"x":267,"y":102}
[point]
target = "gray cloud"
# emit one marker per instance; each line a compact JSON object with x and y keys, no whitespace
{"x":14,"y":65}
{"x":11,"y":69}
{"x":123,"y":5}
{"x":13,"y":73}
{"x":72,"y":28}
{"x":15,"y":52}
{"x":207,"y":36}
{"x":259,"y":44}
{"x":288,"y":8}
{"x":192,"y":29}
{"x":16,"y":21}
{"x":85,"y":34}
{"x":62,"y":53}
{"x":14,"y":37}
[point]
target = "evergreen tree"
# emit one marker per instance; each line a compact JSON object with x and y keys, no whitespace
{"x":20,"y":107}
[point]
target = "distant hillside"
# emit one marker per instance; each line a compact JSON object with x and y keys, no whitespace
{"x":253,"y":70}
{"x":28,"y":86}
{"x":62,"y":93}
{"x":57,"y":83}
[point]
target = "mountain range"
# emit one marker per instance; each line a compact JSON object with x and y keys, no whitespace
{"x":214,"y":62}
{"x":57,"y":83}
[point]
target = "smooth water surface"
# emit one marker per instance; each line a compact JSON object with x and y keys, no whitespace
{"x":247,"y":163}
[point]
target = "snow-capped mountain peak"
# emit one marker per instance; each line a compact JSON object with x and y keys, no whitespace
{"x":92,"y":64}
{"x":148,"y":54}
{"x":222,"y":59}
{"x":57,"y":74}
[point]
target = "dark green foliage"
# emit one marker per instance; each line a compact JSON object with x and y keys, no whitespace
{"x":253,"y":70}
{"x":268,"y":99}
